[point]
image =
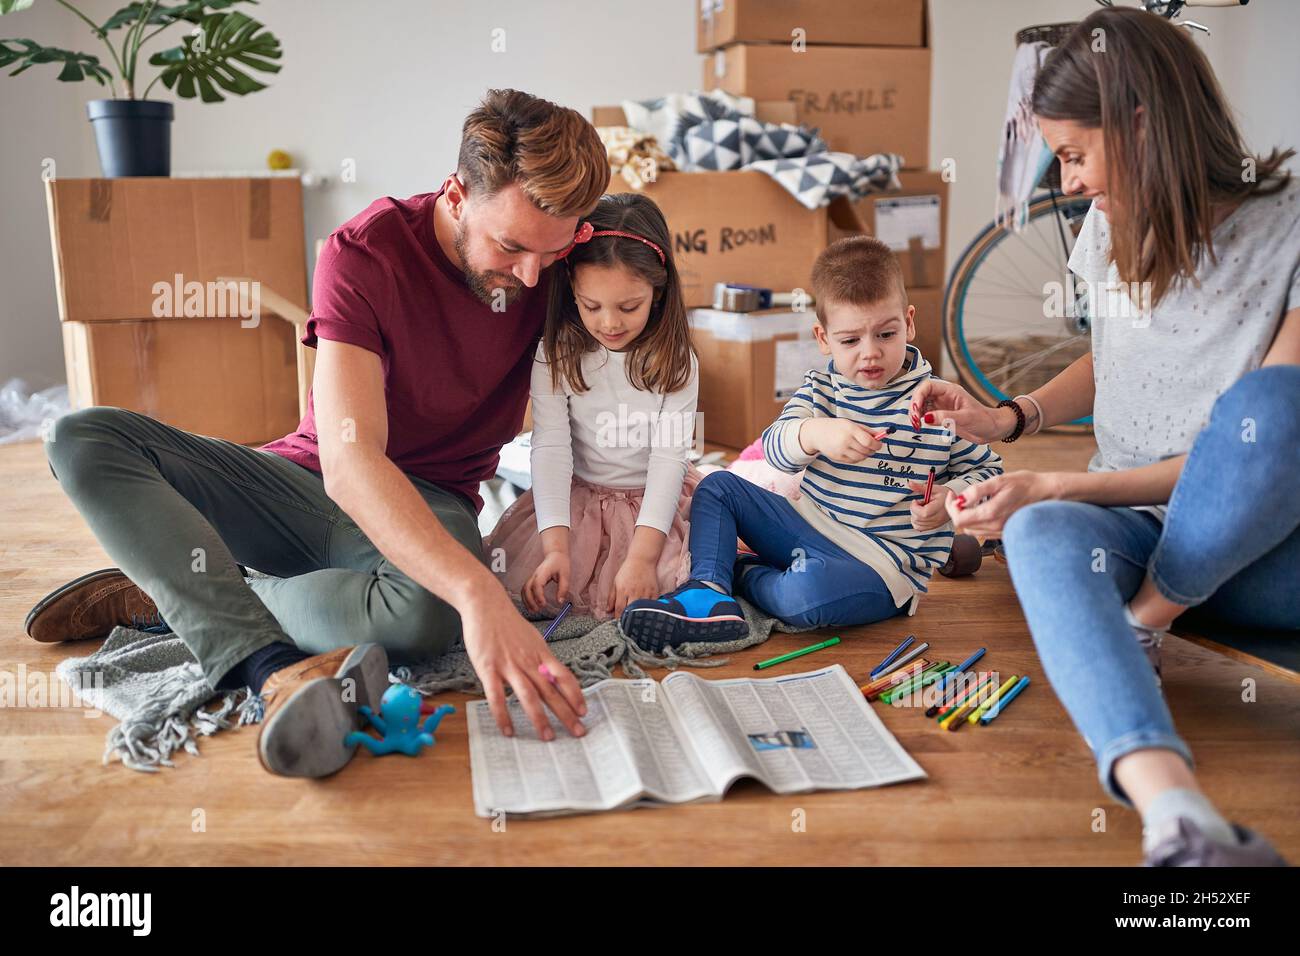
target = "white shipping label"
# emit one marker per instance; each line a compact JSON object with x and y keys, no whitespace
{"x":900,"y":219}
{"x":793,"y":360}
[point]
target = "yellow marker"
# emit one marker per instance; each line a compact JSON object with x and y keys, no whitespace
{"x":983,"y":708}
{"x":951,"y":721}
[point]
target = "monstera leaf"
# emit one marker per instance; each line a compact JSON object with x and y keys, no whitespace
{"x":226,"y":41}
{"x":28,"y":53}
{"x":160,"y":15}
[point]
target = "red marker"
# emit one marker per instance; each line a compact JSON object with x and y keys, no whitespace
{"x":929,"y":487}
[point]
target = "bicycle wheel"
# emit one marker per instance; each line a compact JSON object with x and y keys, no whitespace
{"x":1006,"y":329}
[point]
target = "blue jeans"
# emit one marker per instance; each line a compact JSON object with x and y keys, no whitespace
{"x":802,"y":577}
{"x":1230,"y":543}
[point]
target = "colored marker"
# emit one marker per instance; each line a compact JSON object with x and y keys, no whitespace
{"x":947,"y":705}
{"x":928,"y":676}
{"x":965,"y":665}
{"x":558,"y":618}
{"x":929,"y":487}
{"x":993,"y":698}
{"x":907,"y":658}
{"x":799,"y":653}
{"x":889,"y":659}
{"x":898,"y":678}
{"x":1004,"y":700}
{"x":953,"y":720}
{"x":880,"y":684}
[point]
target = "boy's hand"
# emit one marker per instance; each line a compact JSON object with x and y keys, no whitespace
{"x":554,"y":567}
{"x":636,"y":580}
{"x":837,"y":439}
{"x":935,"y":514}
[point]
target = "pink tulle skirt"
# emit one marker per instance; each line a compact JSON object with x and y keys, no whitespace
{"x":601,"y":522}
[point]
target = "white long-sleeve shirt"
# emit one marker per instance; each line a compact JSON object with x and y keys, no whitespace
{"x":612,"y":434}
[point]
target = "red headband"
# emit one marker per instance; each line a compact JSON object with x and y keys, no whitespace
{"x":586,"y":233}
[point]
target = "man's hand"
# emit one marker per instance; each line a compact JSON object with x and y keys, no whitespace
{"x":505,"y":650}
{"x":931,"y":516}
{"x":837,"y":439}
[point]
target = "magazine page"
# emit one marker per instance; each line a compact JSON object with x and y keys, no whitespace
{"x":794,"y":733}
{"x":631,"y":752}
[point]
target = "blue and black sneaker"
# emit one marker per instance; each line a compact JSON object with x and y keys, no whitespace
{"x":694,"y":612}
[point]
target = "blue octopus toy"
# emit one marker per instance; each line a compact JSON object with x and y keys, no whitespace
{"x":399,"y":721}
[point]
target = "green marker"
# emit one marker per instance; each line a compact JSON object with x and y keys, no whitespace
{"x":926,"y":677}
{"x":793,"y":654}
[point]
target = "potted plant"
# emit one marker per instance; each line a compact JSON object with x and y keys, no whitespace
{"x":133,"y":132}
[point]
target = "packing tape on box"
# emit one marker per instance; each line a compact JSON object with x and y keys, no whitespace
{"x":751,"y":326}
{"x":259,"y":205}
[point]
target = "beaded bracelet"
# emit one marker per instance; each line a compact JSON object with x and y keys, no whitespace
{"x":1020,"y":418}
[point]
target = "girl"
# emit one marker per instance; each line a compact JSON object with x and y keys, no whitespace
{"x":614,"y":388}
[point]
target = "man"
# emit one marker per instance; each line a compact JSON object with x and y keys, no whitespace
{"x":426,"y":314}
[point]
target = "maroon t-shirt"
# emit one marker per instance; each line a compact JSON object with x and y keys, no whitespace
{"x":456,"y":373}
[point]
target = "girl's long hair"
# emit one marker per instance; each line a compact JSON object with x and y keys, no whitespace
{"x":659,"y":359}
{"x":1169,"y":168}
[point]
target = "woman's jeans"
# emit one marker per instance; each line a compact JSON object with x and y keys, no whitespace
{"x":1230,"y":543}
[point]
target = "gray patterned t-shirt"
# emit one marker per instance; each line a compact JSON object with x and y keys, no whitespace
{"x":1159,"y":371}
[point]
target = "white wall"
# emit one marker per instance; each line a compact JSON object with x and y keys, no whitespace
{"x":388,"y":85}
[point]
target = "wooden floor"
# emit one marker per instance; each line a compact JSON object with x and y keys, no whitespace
{"x":1022,"y":791}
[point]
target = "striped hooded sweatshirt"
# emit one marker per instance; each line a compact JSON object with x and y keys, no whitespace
{"x":865,"y":508}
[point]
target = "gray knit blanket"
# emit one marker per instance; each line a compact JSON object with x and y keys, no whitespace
{"x":153,"y":685}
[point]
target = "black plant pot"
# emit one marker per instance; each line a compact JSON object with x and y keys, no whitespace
{"x":134,"y":136}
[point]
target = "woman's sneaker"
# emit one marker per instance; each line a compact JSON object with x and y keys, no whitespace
{"x":1149,"y":639}
{"x":693,"y":613}
{"x":1185,"y":845}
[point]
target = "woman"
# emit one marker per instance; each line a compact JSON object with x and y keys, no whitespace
{"x":1194,"y":384}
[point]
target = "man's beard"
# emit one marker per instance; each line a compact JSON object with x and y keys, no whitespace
{"x":503,"y":294}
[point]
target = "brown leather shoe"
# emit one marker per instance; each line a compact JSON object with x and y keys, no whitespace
{"x":91,"y":606}
{"x":311,"y":707}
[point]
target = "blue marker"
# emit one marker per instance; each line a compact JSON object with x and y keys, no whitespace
{"x":556,"y":623}
{"x":961,"y":668}
{"x":907,"y":642}
{"x":1002,"y":702}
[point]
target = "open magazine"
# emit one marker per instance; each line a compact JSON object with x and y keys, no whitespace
{"x":686,"y":739}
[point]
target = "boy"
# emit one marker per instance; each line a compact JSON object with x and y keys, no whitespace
{"x":858,"y":546}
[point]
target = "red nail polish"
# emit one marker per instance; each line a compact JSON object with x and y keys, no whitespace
{"x":929,"y":418}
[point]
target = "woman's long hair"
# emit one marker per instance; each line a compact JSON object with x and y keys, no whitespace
{"x":1169,"y":169}
{"x":659,"y":359}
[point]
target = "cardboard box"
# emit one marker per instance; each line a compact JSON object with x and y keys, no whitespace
{"x":769,"y":111}
{"x":864,"y":99}
{"x":751,"y":363}
{"x":736,"y":227}
{"x":846,"y":22}
{"x":208,"y":376}
{"x":929,"y":324}
{"x":912,"y":220}
{"x":115,"y":239}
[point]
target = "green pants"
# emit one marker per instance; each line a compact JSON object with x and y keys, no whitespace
{"x":177,"y":512}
